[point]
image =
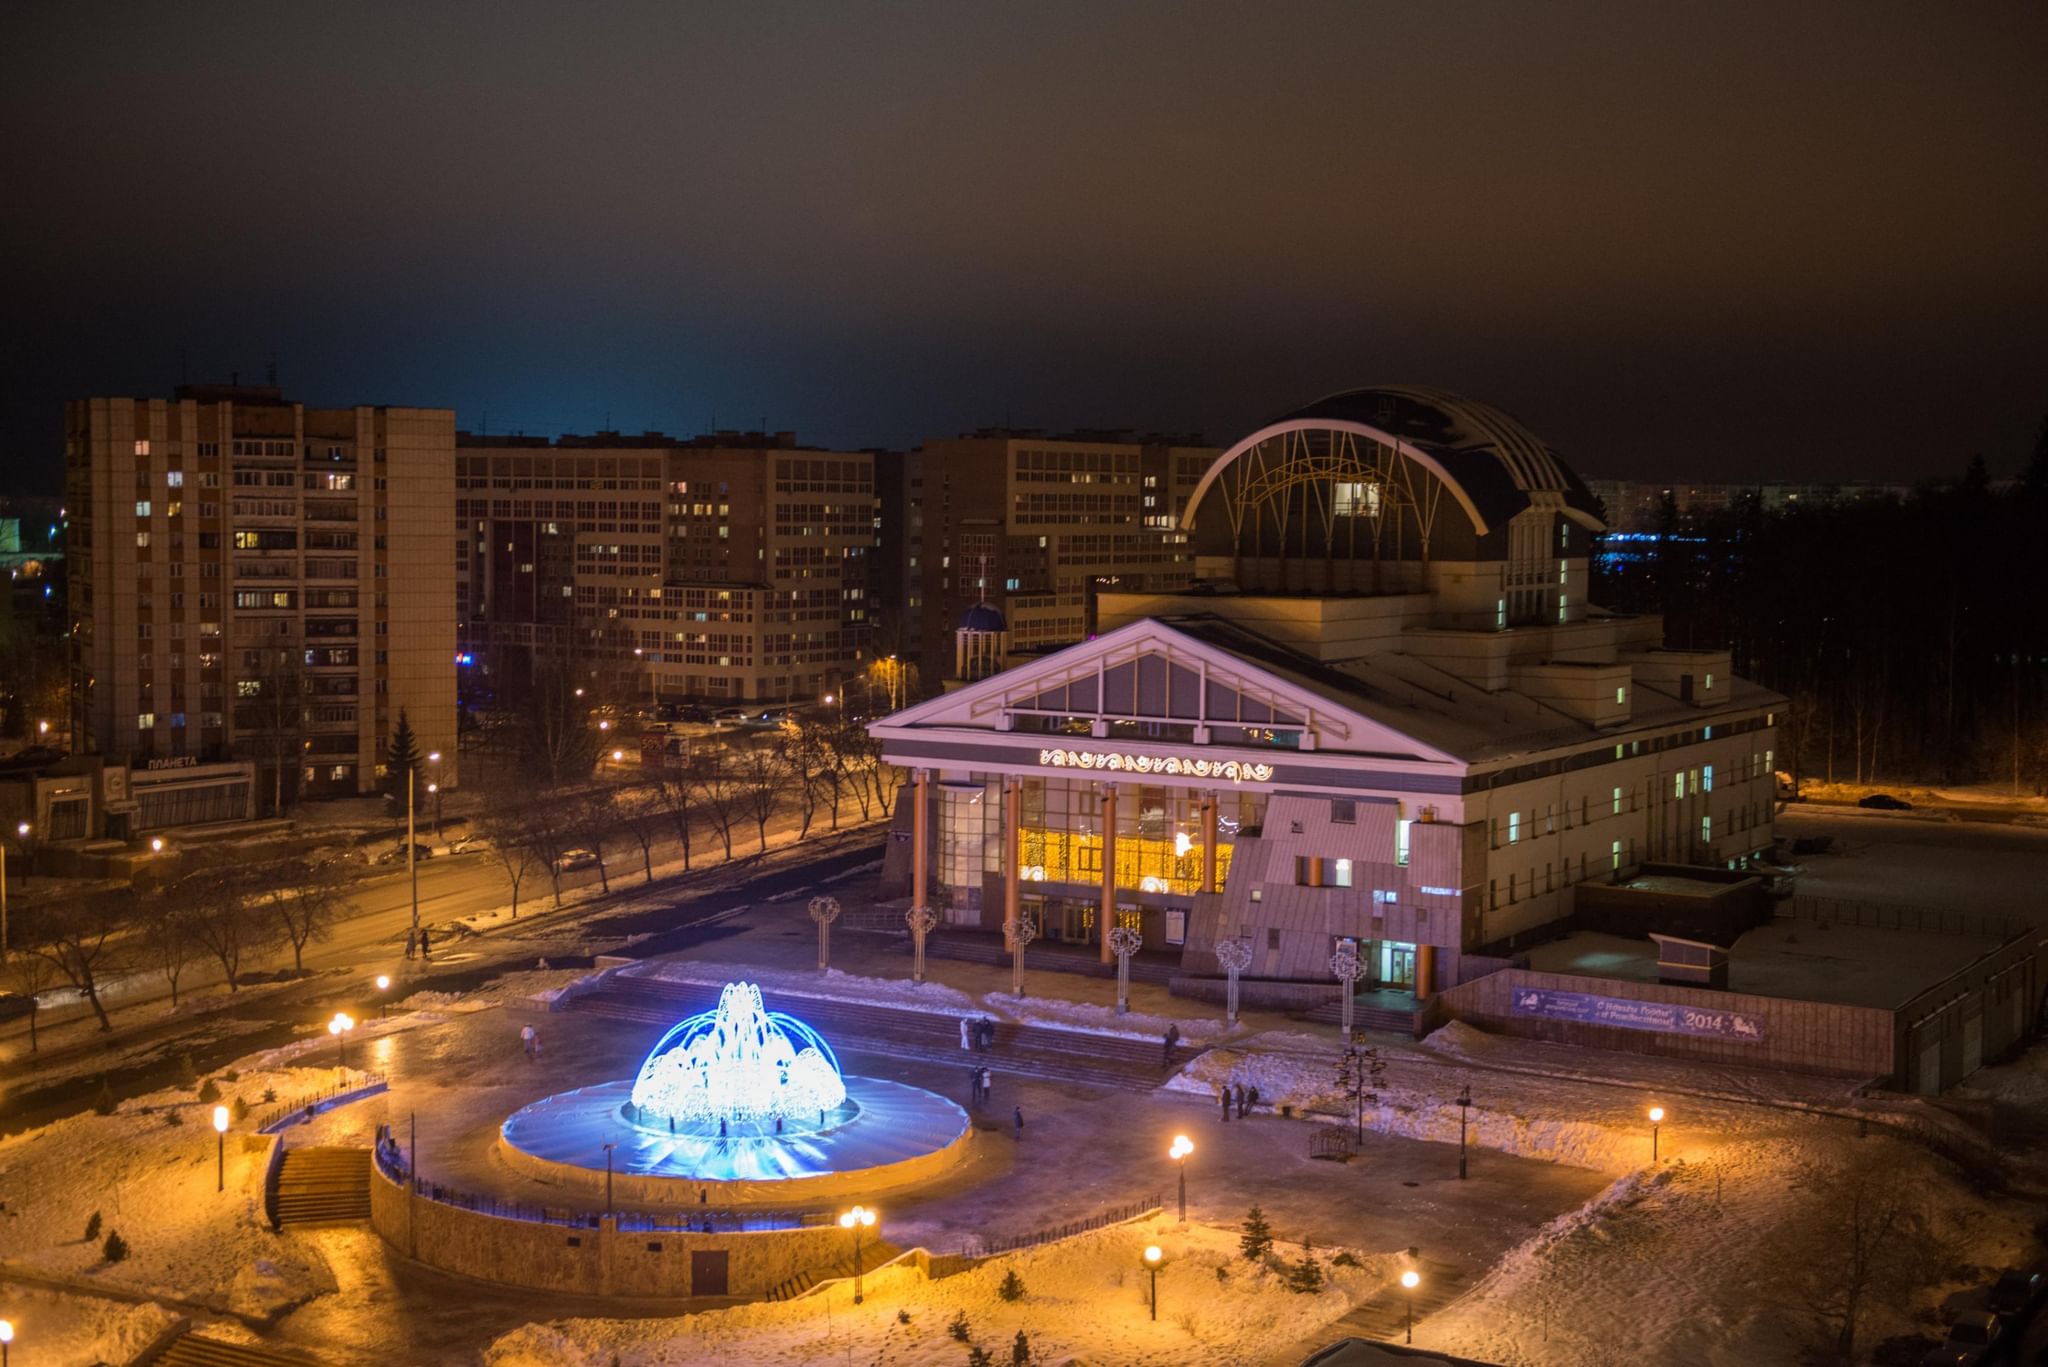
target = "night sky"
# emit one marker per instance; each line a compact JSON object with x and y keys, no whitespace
{"x":1718,"y":240}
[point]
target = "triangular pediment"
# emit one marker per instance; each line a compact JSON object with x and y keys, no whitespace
{"x":1148,"y":671}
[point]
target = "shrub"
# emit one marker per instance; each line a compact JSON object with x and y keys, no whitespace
{"x":1012,"y":1288}
{"x":209,"y":1092}
{"x":1222,"y":1273}
{"x":173,"y":1118}
{"x":1020,"y":1351}
{"x":92,"y":1227}
{"x":903,"y":1317}
{"x":115,"y":1248}
{"x":1344,"y":1260}
{"x":231,"y":1075}
{"x":186,"y":1074}
{"x":106,"y":1104}
{"x":269,"y":1095}
{"x":957,"y":1327}
{"x":1257,"y":1239}
{"x":977,"y":1356}
{"x":239,"y":1111}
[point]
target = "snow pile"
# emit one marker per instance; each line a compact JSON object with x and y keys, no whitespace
{"x":1084,"y":1301}
{"x":268,"y":1287}
{"x":58,"y":1330}
{"x":831,"y":985}
{"x":1053,"y":1013}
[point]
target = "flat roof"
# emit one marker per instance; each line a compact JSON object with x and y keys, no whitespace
{"x":1797,"y":960}
{"x":1676,"y":885}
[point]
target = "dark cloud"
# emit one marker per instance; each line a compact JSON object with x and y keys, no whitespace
{"x":1738,"y":239}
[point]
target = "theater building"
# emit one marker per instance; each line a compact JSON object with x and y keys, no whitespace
{"x":1385,"y":714}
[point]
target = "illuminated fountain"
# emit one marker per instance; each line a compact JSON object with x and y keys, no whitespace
{"x":735,"y":1105}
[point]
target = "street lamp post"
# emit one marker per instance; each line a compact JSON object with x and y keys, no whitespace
{"x":434,"y":791}
{"x":1152,"y":1256}
{"x":339,"y":1028}
{"x":1464,"y":1110}
{"x":1124,"y":942}
{"x":824,"y":910}
{"x":1656,"y":1122}
{"x":1409,"y":1281}
{"x":1182,"y":1147}
{"x":412,"y":866}
{"x":1236,"y":956}
{"x":857,"y":1219}
{"x":220,"y":1135}
{"x":6,"y":1337}
{"x":608,"y":1179}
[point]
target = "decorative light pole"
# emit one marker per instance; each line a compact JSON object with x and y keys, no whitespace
{"x":339,"y":1027}
{"x":1123,"y":942}
{"x":434,"y":791}
{"x":1409,"y":1281}
{"x":1464,"y":1110}
{"x":1236,"y":956}
{"x":824,"y":910}
{"x":608,"y":1178}
{"x":1182,"y":1147}
{"x":920,"y":920}
{"x":1347,"y":968}
{"x":1152,"y":1256}
{"x":1019,"y":933}
{"x":220,"y":1135}
{"x":6,"y":1337}
{"x":1656,"y":1122}
{"x":857,"y":1219}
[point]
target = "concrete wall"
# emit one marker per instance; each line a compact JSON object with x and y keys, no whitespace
{"x":1972,"y":1017}
{"x":597,"y":1261}
{"x":1806,"y":1037}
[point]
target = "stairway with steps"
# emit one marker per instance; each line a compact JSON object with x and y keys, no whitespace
{"x":320,"y":1186}
{"x":1385,"y":1317}
{"x":1392,"y":1020}
{"x":196,"y":1350}
{"x":899,"y":1032}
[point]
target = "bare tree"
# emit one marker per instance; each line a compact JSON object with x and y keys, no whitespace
{"x":166,"y":932}
{"x":504,"y":824}
{"x":231,"y":925}
{"x":544,"y":831}
{"x":84,"y":940}
{"x":31,"y":975}
{"x":557,"y":743}
{"x":674,"y":790}
{"x":589,"y":815}
{"x":719,"y":795}
{"x":807,"y":754}
{"x":764,"y":784}
{"x":642,"y":815}
{"x":1868,"y":1241}
{"x":307,"y":897}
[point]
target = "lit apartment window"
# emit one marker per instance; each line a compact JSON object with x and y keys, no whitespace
{"x":142,"y":539}
{"x":1707,"y":778}
{"x":1401,"y":841}
{"x":1706,"y":830}
{"x":1617,"y":856}
{"x":1617,"y":802}
{"x":1678,"y":784}
{"x":1560,"y":607}
{"x":1707,"y":733}
{"x":1692,"y":782}
{"x":145,"y":721}
{"x":141,"y":448}
{"x":1560,"y":571}
{"x":1620,"y":695}
{"x":1709,"y":685}
{"x":142,"y":507}
{"x":175,"y":479}
{"x":1341,"y":875}
{"x":1514,"y":827}
{"x":1500,"y":614}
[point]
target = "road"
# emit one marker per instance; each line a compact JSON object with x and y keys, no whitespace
{"x":450,"y":887}
{"x":1879,"y":857}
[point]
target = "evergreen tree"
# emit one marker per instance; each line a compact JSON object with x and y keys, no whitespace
{"x":977,"y":1356}
{"x":92,"y":1228}
{"x":1305,"y":1277}
{"x":1012,"y":1288}
{"x":115,"y":1248}
{"x":403,"y":756}
{"x":209,"y":1092}
{"x":1257,"y":1239}
{"x":1020,"y":1351}
{"x":958,"y":1326}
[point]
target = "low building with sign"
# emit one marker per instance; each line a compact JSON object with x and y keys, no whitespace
{"x":1385,"y":716}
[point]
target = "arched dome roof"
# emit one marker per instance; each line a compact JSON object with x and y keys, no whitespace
{"x":1491,"y":463}
{"x":983,"y":617}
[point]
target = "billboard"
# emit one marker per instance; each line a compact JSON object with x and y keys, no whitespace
{"x":1669,"y":1018}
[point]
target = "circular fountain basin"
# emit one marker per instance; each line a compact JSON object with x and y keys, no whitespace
{"x":886,"y":1135}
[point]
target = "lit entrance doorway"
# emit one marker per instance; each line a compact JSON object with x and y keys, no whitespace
{"x":1396,"y":964}
{"x":1075,"y":923}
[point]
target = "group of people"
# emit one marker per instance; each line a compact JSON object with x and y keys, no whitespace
{"x":1241,"y":1098}
{"x":981,"y":1084}
{"x":418,"y":942}
{"x":977,"y":1034}
{"x":530,"y":1038}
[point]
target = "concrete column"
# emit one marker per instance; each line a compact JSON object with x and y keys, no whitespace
{"x":1425,"y":971}
{"x":920,"y":836}
{"x":1013,"y":849}
{"x":1208,"y":811}
{"x":1107,"y":916}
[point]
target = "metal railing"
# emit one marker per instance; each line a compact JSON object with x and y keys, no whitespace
{"x":981,"y":1246}
{"x":1842,"y":911}
{"x":278,"y":1114}
{"x":391,"y":1161}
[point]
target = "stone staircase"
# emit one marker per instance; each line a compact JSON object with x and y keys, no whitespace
{"x":1092,"y":1059}
{"x":196,"y":1350}
{"x":1385,"y":1316}
{"x":320,"y":1186}
{"x":1391,"y":1020}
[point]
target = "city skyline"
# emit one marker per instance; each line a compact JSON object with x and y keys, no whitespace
{"x":1770,"y":246}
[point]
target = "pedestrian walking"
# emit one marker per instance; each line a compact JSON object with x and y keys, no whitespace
{"x":1240,"y":1101}
{"x":526,"y":1041}
{"x":1252,"y":1097}
{"x":536,"y":1046}
{"x":1172,"y":1039}
{"x":1017,"y":1123}
{"x":988,"y":1084}
{"x":973,"y":1088}
{"x":1226,"y":1103}
{"x":411,"y":944}
{"x":425,"y":953}
{"x":966,"y":1032}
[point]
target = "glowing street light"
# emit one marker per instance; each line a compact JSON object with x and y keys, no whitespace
{"x":220,"y":1134}
{"x":383,"y":982}
{"x":1182,"y":1147}
{"x":1152,"y":1256}
{"x":1656,"y":1121}
{"x":857,"y":1219}
{"x":156,"y":844}
{"x":6,"y":1337}
{"x":618,"y":756}
{"x":339,"y":1028}
{"x":1409,"y":1281}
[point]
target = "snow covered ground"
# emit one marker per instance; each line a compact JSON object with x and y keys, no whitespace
{"x":63,"y":1329}
{"x":1085,"y":1301}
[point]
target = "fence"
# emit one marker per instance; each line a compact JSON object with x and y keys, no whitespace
{"x":1895,"y":916}
{"x":981,"y":1246}
{"x":276,"y":1116}
{"x":699,"y":1219}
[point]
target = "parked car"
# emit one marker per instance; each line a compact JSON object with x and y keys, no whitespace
{"x":468,"y":844}
{"x":1885,"y":802}
{"x":571,"y":860}
{"x":1971,"y":1340}
{"x":774,"y":716}
{"x":397,"y":854}
{"x":695,"y":713}
{"x":729,"y":716}
{"x":2016,"y":1293}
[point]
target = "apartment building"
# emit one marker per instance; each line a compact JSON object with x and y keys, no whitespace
{"x":257,"y":588}
{"x":731,"y":567}
{"x":1041,"y":525}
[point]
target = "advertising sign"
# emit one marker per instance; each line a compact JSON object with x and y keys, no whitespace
{"x":1668,"y":1018}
